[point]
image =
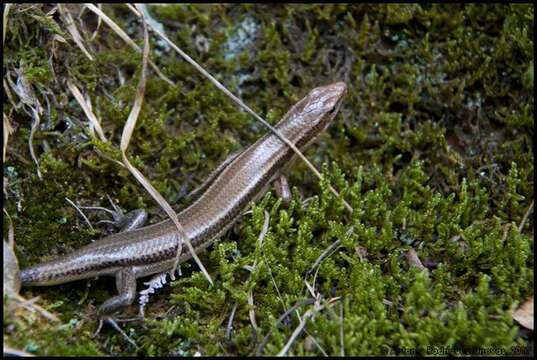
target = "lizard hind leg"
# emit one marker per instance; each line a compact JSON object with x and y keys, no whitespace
{"x":126,"y":287}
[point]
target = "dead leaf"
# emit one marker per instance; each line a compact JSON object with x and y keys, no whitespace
{"x":413,"y":259}
{"x":524,"y":314}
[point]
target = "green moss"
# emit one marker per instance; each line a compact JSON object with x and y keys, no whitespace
{"x":433,"y":149}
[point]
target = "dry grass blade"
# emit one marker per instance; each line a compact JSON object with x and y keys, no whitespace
{"x":309,"y":314}
{"x":94,"y":122}
{"x":327,"y":252}
{"x":247,"y":109}
{"x":35,"y":124}
{"x":10,"y":231}
{"x":29,"y":305}
{"x":9,"y":95}
{"x":263,"y":233}
{"x":11,"y":273}
{"x":8,"y":130}
{"x":99,"y":21}
{"x":251,"y":311}
{"x":134,"y":10}
{"x":525,"y":218}
{"x":67,"y":19}
{"x":8,"y":351}
{"x":127,"y":39}
{"x":27,"y":97}
{"x":125,"y":138}
{"x":280,"y":320}
{"x":7,"y":7}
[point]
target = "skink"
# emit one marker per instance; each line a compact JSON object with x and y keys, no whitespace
{"x":152,"y":249}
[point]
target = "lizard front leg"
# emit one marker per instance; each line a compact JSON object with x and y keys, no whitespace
{"x":281,"y":186}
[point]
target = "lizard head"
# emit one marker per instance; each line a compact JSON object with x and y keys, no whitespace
{"x":311,"y":115}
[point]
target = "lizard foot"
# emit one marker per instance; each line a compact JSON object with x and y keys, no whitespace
{"x":125,"y":222}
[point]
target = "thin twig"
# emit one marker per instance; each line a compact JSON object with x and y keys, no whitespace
{"x":120,"y":330}
{"x":29,"y":305}
{"x":111,"y":212}
{"x":99,"y":21}
{"x":523,"y":221}
{"x":280,"y":320}
{"x":80,"y":212}
{"x":324,"y":254}
{"x":26,"y":94}
{"x":229,"y":326}
{"x":309,"y":314}
{"x":8,"y":92}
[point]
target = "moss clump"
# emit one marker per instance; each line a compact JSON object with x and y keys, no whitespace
{"x":433,"y":149}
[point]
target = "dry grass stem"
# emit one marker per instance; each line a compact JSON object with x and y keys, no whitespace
{"x":86,"y":106}
{"x":280,"y":320}
{"x":31,"y":306}
{"x":526,"y":215}
{"x":125,"y":139}
{"x":7,"y":7}
{"x":317,"y":307}
{"x":127,"y":39}
{"x":8,"y":130}
{"x":99,"y":21}
{"x":67,"y":19}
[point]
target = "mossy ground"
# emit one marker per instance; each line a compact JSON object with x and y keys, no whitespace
{"x":432,"y":148}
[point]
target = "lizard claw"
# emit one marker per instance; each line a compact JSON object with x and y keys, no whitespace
{"x":114,"y":324}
